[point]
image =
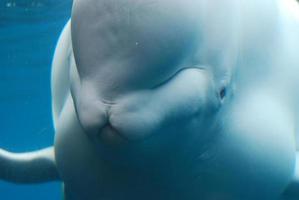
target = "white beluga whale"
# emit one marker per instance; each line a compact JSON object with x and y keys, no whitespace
{"x":163,"y":99}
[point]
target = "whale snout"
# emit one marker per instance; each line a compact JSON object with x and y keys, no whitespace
{"x":173,"y":106}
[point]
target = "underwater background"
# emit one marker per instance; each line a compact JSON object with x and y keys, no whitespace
{"x":29,"y":30}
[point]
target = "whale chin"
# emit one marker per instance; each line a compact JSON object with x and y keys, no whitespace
{"x":110,"y":136}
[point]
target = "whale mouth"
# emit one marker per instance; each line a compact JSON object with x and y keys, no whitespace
{"x":111,"y":136}
{"x":177,"y":105}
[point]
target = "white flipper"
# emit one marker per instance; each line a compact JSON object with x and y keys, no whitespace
{"x":32,"y":167}
{"x":39,"y":166}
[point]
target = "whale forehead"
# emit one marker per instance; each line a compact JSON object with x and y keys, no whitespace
{"x":138,"y":44}
{"x":131,"y":29}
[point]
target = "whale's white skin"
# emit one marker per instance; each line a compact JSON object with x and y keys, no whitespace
{"x":173,"y":100}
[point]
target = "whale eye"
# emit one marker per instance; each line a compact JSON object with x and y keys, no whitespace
{"x":222,"y":93}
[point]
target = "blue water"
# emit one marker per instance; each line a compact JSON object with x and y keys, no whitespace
{"x":29,"y":30}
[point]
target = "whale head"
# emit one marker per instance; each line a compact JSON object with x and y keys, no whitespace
{"x":145,"y":67}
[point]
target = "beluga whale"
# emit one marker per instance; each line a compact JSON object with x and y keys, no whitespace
{"x":172,"y":100}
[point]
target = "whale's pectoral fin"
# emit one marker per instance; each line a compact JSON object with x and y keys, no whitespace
{"x":32,"y":167}
{"x":292,"y":191}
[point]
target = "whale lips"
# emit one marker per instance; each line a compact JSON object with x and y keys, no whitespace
{"x":95,"y":119}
